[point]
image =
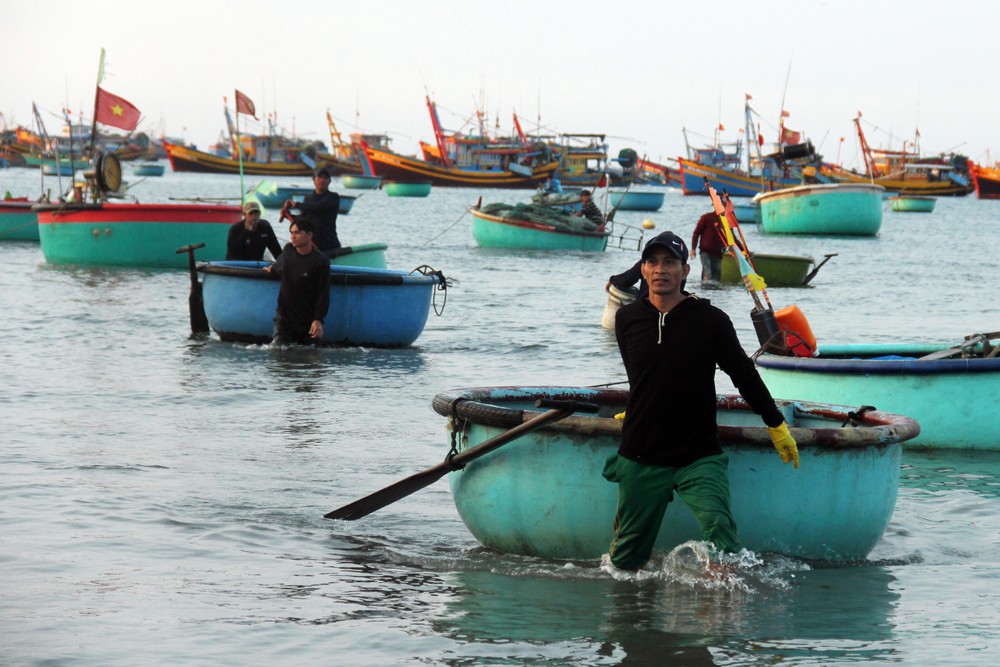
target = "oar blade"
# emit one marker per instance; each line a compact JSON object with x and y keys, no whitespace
{"x":390,"y":494}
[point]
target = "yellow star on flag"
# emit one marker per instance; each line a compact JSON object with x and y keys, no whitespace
{"x":117,"y":110}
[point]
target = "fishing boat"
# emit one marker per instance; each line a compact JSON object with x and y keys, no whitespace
{"x":407,"y":188}
{"x":527,"y":226}
{"x":632,"y":200}
{"x":149,"y":169}
{"x":467,"y":161}
{"x":950,"y":389}
{"x":544,"y":495}
{"x":777,"y":270}
{"x":906,"y":172}
{"x":853,"y":209}
{"x":18,"y":222}
{"x":60,"y":168}
{"x":370,"y":307}
{"x":912,"y":204}
{"x":268,"y":160}
{"x":986,"y":181}
{"x":270,"y":194}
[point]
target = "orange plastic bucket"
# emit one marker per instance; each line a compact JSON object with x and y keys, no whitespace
{"x":798,"y":335}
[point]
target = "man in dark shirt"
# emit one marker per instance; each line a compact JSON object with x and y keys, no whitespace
{"x":321,"y":207}
{"x":707,"y":239}
{"x":589,"y":209}
{"x":670,"y":343}
{"x":249,"y":237}
{"x":304,"y":295}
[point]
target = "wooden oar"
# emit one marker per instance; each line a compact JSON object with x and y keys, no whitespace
{"x":196,"y":305}
{"x":812,"y":274}
{"x":970,"y":342}
{"x":413,"y":483}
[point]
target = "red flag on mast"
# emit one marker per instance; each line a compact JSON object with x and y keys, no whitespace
{"x":245,"y":105}
{"x":115,"y":111}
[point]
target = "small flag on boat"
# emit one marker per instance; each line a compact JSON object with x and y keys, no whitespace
{"x":116,"y":111}
{"x":245,"y":105}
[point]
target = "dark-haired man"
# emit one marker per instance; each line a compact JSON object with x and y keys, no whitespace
{"x":321,"y":207}
{"x":304,"y":295}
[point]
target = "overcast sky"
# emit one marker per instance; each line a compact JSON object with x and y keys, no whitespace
{"x":639,"y":72}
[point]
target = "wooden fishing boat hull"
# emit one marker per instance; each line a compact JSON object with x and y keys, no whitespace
{"x":636,"y":201}
{"x":18,"y":222}
{"x":369,"y":307}
{"x":138,"y":235}
{"x":544,"y":495}
{"x":149,"y":169}
{"x":187,"y":159}
{"x":986,"y":181}
{"x":912,"y":204}
{"x":359,"y":182}
{"x":837,"y":209}
{"x":955,"y":400}
{"x":491,"y":231}
{"x":777,"y":270}
{"x":393,"y":166}
{"x":916,"y":184}
{"x":407,"y":188}
{"x":693,"y":177}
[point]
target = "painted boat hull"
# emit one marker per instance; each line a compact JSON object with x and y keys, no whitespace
{"x":746,"y":212}
{"x":393,"y":166}
{"x":187,"y":159}
{"x":986,"y":181}
{"x":955,"y":400}
{"x":138,"y":235}
{"x":359,"y":182}
{"x":777,"y":270}
{"x":544,"y":495}
{"x":917,"y":186}
{"x":149,"y":170}
{"x":913,"y":204}
{"x":18,"y":222}
{"x":407,"y":189}
{"x":841,"y":209}
{"x":368,"y":307}
{"x":636,"y":201}
{"x":492,"y":231}
{"x":693,"y":177}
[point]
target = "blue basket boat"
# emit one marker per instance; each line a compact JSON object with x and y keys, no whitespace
{"x":955,"y":399}
{"x":636,"y":201}
{"x":543,"y":494}
{"x":368,"y":306}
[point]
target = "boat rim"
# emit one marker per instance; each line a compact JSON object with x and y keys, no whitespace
{"x":822,"y":187}
{"x":858,"y":365}
{"x":480,"y":405}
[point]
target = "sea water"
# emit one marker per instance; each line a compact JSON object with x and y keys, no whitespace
{"x":162,"y":494}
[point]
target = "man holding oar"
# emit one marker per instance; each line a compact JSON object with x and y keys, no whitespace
{"x":671,"y":342}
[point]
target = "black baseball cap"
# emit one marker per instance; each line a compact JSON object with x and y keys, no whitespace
{"x":670,"y":241}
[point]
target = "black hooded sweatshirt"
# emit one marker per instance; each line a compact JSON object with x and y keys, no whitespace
{"x":670,"y":359}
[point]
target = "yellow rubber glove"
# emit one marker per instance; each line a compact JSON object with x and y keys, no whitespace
{"x":620,"y":416}
{"x":784,"y":443}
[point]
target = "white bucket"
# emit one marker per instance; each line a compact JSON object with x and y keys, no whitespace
{"x":616,"y":299}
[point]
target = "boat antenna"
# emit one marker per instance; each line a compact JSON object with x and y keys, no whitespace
{"x":93,"y":123}
{"x":781,"y":118}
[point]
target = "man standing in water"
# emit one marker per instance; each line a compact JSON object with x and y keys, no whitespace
{"x":321,"y":207}
{"x":707,"y":239}
{"x":671,"y":342}
{"x":249,"y":237}
{"x":304,"y":295}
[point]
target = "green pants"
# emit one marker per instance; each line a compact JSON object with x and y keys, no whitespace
{"x":644,"y":491}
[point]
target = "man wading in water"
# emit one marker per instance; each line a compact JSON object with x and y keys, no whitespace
{"x":304,"y":296}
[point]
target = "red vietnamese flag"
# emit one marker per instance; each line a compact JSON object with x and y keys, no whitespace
{"x":245,"y":105}
{"x":790,"y":136}
{"x":115,"y":111}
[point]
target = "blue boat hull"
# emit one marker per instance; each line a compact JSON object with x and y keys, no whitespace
{"x":543,"y":494}
{"x":637,"y":201}
{"x":492,"y":231}
{"x":368,"y":307}
{"x":955,"y":400}
{"x":271,"y":195}
{"x":840,"y":209}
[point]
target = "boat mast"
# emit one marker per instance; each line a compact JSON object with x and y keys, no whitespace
{"x":865,"y":151}
{"x":438,"y":132}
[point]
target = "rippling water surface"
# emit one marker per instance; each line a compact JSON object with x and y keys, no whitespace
{"x":163,"y":494}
